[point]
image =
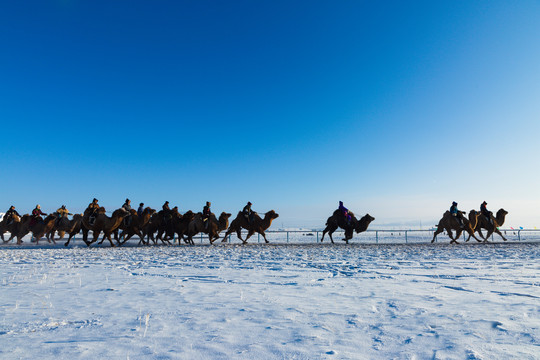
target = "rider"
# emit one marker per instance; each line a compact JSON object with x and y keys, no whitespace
{"x":92,"y":209}
{"x":36,"y":214}
{"x":127,"y":207}
{"x":248,"y":213}
{"x":166,"y":212}
{"x":140,"y":210}
{"x":61,"y":213}
{"x":8,"y":216}
{"x":206,"y":214}
{"x":345,"y":212}
{"x":488,"y":214}
{"x":456,"y":213}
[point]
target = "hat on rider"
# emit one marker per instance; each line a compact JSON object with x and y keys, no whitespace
{"x":95,"y":200}
{"x":484,"y":203}
{"x":454,"y":203}
{"x":141,"y":204}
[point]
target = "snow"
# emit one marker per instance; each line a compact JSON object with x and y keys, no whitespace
{"x":296,"y":301}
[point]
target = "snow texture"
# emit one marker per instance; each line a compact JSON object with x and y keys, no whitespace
{"x":302,"y":301}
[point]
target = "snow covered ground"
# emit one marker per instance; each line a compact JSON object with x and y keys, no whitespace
{"x":302,"y":301}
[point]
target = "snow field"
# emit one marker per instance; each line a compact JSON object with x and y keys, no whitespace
{"x":271,"y":302}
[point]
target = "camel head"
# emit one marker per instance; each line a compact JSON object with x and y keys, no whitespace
{"x":501,"y":215}
{"x":271,"y":214}
{"x":365,"y":221}
{"x":224,"y":215}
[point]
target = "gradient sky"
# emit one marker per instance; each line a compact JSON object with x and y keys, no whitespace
{"x":397,"y":108}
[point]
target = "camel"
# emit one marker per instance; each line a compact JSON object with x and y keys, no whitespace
{"x":135,"y":226}
{"x":449,"y":223}
{"x":484,"y":223}
{"x":11,"y":228}
{"x":37,"y":226}
{"x":72,"y":227}
{"x":257,"y":226}
{"x":103,"y":223}
{"x":338,"y":220}
{"x":213,"y":229}
{"x":163,"y":222}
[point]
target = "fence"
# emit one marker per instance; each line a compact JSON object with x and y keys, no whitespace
{"x":374,"y":237}
{"x":368,"y":237}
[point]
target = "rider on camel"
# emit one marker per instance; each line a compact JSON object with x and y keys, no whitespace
{"x":61,"y":213}
{"x":488,"y":214}
{"x":127,"y":207}
{"x":140,"y":210}
{"x":166,"y":212}
{"x":8,"y":216}
{"x":92,"y":210}
{"x":345,"y":212}
{"x":206,"y":214}
{"x":457,"y":213}
{"x":36,"y":215}
{"x":248,"y":213}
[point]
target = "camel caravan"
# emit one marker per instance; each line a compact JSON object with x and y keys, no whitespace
{"x":149,"y":225}
{"x":455,"y":220}
{"x":152,"y":227}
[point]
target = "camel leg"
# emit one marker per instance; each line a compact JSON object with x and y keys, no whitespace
{"x":108,"y":236}
{"x":498,"y":232}
{"x":264,"y":236}
{"x":439,"y":230}
{"x":458,"y":234}
{"x":95,"y":237}
{"x":250,"y":233}
{"x":330,"y":235}
{"x":471,"y":233}
{"x":348,"y":236}
{"x":225,"y":237}
{"x":69,"y":239}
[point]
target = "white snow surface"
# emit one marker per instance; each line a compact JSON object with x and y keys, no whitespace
{"x":302,"y":301}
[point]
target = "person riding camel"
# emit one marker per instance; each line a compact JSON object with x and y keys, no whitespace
{"x":8,"y":216}
{"x":36,"y":215}
{"x":127,"y":207}
{"x":488,"y":214}
{"x":345,"y":212}
{"x":140,"y":210}
{"x":457,"y":214}
{"x":92,"y":209}
{"x":166,"y":213}
{"x":248,"y":213}
{"x":61,"y":213}
{"x":206,"y":214}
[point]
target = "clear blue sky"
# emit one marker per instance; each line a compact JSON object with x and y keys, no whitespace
{"x":396,"y":108}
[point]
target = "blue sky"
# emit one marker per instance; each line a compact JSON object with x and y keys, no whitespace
{"x":396,"y":108}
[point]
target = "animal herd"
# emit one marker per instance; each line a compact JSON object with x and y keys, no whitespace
{"x":152,"y":226}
